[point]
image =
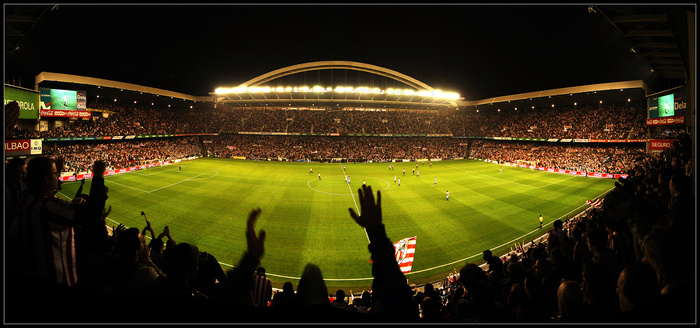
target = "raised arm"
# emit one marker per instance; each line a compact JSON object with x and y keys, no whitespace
{"x":93,"y":209}
{"x":240,"y":279}
{"x":391,"y":295}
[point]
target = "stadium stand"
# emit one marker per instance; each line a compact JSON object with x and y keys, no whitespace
{"x":646,"y":219}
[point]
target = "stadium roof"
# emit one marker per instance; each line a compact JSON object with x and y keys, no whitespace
{"x":658,"y":33}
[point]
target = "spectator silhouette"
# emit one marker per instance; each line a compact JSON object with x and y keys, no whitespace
{"x":46,"y":223}
{"x":181,"y":265}
{"x":15,"y":173}
{"x":133,"y":273}
{"x":680,"y":211}
{"x":599,"y":292}
{"x":429,"y":291}
{"x":431,"y":310}
{"x":262,"y":290}
{"x":495,"y":263}
{"x":570,"y":303}
{"x":339,"y":300}
{"x":312,"y":288}
{"x":638,"y":291}
{"x":285,"y":298}
{"x":11,"y":118}
{"x":210,"y":277}
{"x":603,"y":255}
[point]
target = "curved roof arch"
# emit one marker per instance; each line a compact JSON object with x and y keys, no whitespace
{"x":337,"y":64}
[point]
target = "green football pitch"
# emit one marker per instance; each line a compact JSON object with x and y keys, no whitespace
{"x":307,"y":218}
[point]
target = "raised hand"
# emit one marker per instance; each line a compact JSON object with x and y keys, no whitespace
{"x":11,"y":118}
{"x":118,"y":229}
{"x":256,"y":242}
{"x":98,"y":168}
{"x":371,"y":212}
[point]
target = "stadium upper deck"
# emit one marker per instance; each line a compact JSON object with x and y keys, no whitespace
{"x":388,"y":90}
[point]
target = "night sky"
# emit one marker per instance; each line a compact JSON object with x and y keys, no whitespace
{"x":477,"y":51}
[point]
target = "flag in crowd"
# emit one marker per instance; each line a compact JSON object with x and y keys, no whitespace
{"x":597,"y":203}
{"x":404,"y":250}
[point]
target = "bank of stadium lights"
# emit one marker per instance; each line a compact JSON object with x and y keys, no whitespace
{"x":362,"y":90}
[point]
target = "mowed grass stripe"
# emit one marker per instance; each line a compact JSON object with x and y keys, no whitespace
{"x":207,"y":204}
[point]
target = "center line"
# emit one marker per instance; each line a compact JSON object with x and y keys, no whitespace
{"x":353,"y":197}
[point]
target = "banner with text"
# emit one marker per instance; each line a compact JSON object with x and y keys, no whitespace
{"x":65,"y":113}
{"x":666,"y":120}
{"x":660,"y":144}
{"x":23,"y":147}
{"x":28,"y":101}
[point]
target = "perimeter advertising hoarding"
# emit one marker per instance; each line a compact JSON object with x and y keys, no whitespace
{"x":666,"y":120}
{"x":659,"y":145}
{"x":28,"y":101}
{"x":23,"y":147}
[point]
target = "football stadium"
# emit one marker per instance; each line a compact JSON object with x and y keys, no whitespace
{"x":347,"y":191}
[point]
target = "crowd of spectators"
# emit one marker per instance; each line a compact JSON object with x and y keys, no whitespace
{"x":78,"y":156}
{"x":583,"y":122}
{"x":630,"y":261}
{"x":309,"y":148}
{"x":598,"y":158}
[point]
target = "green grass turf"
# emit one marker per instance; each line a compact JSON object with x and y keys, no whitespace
{"x":307,"y":219}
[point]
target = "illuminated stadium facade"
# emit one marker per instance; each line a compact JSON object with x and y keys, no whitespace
{"x":262,"y":92}
{"x":402,"y":92}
